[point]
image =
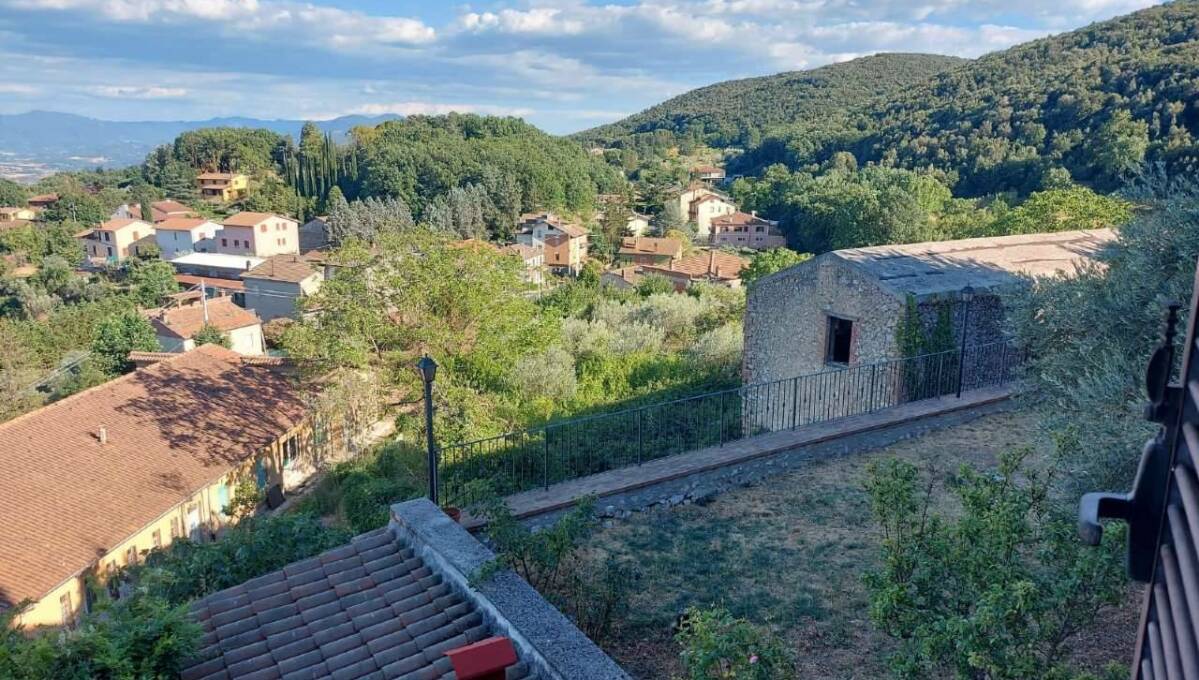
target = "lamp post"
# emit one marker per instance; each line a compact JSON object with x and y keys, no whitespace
{"x":967,"y":295}
{"x":428,"y":372}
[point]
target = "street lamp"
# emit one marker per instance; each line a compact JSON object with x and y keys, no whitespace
{"x":967,"y":296}
{"x":428,"y":372}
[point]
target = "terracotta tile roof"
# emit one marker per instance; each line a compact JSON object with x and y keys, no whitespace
{"x":42,"y":198}
{"x":291,"y":268}
{"x":13,"y":224}
{"x":172,"y":429}
{"x":370,"y":609}
{"x":739,"y":219}
{"x":168,"y":208}
{"x":122,"y":223}
{"x":706,"y":169}
{"x":713,"y":264}
{"x":572,"y":230}
{"x":211,"y":282}
{"x":180,"y":223}
{"x":710,"y":197}
{"x":185,"y":321}
{"x":630,"y":275}
{"x":645,"y":245}
{"x":525,"y":252}
{"x":251,"y":219}
{"x":217,"y":175}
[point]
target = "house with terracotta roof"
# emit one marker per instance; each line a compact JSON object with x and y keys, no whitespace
{"x":178,"y":236}
{"x":647,"y":250}
{"x":623,"y":278}
{"x":14,"y":213}
{"x":275,"y":287}
{"x":165,"y":210}
{"x":222,"y":187}
{"x":95,"y":480}
{"x":258,"y":234}
{"x":746,"y":230}
{"x":42,"y":201}
{"x":116,"y":239}
{"x":533,"y":260}
{"x":705,"y":209}
{"x":711,"y":266}
{"x":177,"y":326}
{"x":708,"y":173}
{"x":564,"y":243}
{"x":403,"y":601}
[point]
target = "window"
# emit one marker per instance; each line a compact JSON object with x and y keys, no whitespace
{"x":174,"y":528}
{"x":131,"y":555}
{"x":840,"y":338}
{"x":290,"y":448}
{"x":224,"y":242}
{"x":156,"y":538}
{"x":136,"y":236}
{"x":68,"y":610}
{"x":109,"y":249}
{"x":264,"y":228}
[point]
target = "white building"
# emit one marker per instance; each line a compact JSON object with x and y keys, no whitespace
{"x":176,"y":327}
{"x":275,"y":287}
{"x":178,"y":236}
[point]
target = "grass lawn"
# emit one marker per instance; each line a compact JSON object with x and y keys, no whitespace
{"x":790,"y":552}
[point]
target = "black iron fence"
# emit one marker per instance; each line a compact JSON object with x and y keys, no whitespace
{"x":557,"y":452}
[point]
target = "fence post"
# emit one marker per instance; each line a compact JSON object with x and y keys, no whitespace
{"x":722,"y":418}
{"x":795,"y":402}
{"x":873,"y":374}
{"x":545,"y":459}
{"x":639,"y":442}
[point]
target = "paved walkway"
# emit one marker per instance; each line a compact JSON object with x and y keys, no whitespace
{"x":565,"y":494}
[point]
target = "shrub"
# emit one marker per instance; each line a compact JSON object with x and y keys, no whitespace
{"x":211,"y":335}
{"x":720,"y":349}
{"x":717,"y":646}
{"x":367,"y":499}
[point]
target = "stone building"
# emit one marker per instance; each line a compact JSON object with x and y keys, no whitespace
{"x":842,"y":308}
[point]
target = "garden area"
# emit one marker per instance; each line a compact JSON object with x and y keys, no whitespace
{"x":791,"y":555}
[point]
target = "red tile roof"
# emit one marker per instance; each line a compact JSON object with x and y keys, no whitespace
{"x":739,"y":218}
{"x":645,"y":245}
{"x":289,"y":268}
{"x":211,"y":282}
{"x":713,"y":264}
{"x":370,"y":609}
{"x":180,"y":223}
{"x":251,"y":219}
{"x":172,"y":429}
{"x":121,"y":223}
{"x":185,"y":321}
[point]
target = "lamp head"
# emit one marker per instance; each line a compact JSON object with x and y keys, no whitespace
{"x":428,"y":368}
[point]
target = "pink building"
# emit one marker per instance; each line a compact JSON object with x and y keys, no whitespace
{"x":746,"y":230}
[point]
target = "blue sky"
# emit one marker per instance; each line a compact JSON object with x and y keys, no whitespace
{"x":564,"y":65}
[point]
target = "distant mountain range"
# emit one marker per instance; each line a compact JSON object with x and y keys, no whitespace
{"x":38,"y":143}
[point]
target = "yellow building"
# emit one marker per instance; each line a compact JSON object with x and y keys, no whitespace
{"x":222,"y":187}
{"x":115,"y":239}
{"x":94,"y":481}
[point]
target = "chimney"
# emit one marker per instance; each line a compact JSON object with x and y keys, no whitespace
{"x":248,"y":267}
{"x":102,"y":435}
{"x":484,"y":660}
{"x":753,"y":213}
{"x":712,"y":260}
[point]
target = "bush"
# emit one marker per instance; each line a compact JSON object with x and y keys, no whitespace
{"x":717,"y":646}
{"x":366,"y":500}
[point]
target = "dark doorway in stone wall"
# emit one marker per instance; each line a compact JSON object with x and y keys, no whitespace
{"x":840,"y":337}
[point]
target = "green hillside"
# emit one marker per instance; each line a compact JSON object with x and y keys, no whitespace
{"x":735,"y":112}
{"x":1097,"y":101}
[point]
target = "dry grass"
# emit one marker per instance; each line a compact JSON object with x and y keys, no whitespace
{"x":790,"y":552}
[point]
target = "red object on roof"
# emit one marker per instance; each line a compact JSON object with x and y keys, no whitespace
{"x":483,"y":660}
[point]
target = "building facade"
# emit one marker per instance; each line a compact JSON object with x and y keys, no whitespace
{"x":647,"y":250}
{"x":746,"y":230}
{"x":222,"y":187}
{"x":275,"y":288}
{"x":177,"y":236}
{"x":565,"y":244}
{"x":176,"y":327}
{"x":114,"y":240}
{"x":258,"y":234}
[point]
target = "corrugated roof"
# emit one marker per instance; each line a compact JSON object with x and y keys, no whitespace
{"x":370,"y":609}
{"x":943,"y":266}
{"x":172,"y":429}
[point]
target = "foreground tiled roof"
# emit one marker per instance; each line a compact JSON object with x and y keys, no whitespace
{"x":370,"y":609}
{"x":172,"y":429}
{"x":290,"y":268}
{"x":185,"y":321}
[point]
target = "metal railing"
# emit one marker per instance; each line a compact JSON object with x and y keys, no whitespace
{"x":541,"y":456}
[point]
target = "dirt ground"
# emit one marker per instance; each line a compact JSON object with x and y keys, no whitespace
{"x":790,"y":553}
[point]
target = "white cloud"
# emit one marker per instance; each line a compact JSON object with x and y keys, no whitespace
{"x":417,"y":108}
{"x":126,"y":92}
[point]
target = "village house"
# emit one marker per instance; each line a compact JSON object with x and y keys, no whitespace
{"x":222,"y":187}
{"x":42,"y":201}
{"x":646,"y":250}
{"x":712,"y":266}
{"x":97,"y":479}
{"x":623,"y":278}
{"x":116,"y":240}
{"x":314,"y":235}
{"x":533,"y":260}
{"x":275,"y":287}
{"x":842,"y":308}
{"x":176,"y":327}
{"x":709,"y":174}
{"x":258,"y":234}
{"x":565,"y":244}
{"x":177,"y":236}
{"x":746,"y":230}
{"x":159,"y":211}
{"x":12,"y":214}
{"x":638,"y":225}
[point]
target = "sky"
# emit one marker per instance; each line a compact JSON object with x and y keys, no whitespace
{"x":564,"y":65}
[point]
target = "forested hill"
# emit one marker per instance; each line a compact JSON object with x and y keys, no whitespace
{"x":1098,"y":101}
{"x":735,"y":112}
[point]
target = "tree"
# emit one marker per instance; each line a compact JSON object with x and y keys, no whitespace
{"x":670,"y":219}
{"x":368,"y":219}
{"x":246,"y":494}
{"x":151,"y":281}
{"x":1088,"y":336}
{"x":11,"y":193}
{"x":1120,"y":144}
{"x":211,"y":335}
{"x":652,"y":284}
{"x":1067,"y":209}
{"x":75,"y":207}
{"x":993,"y":592}
{"x":771,"y":261}
{"x":117,"y":336}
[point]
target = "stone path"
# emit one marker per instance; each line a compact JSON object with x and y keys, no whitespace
{"x":565,"y":494}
